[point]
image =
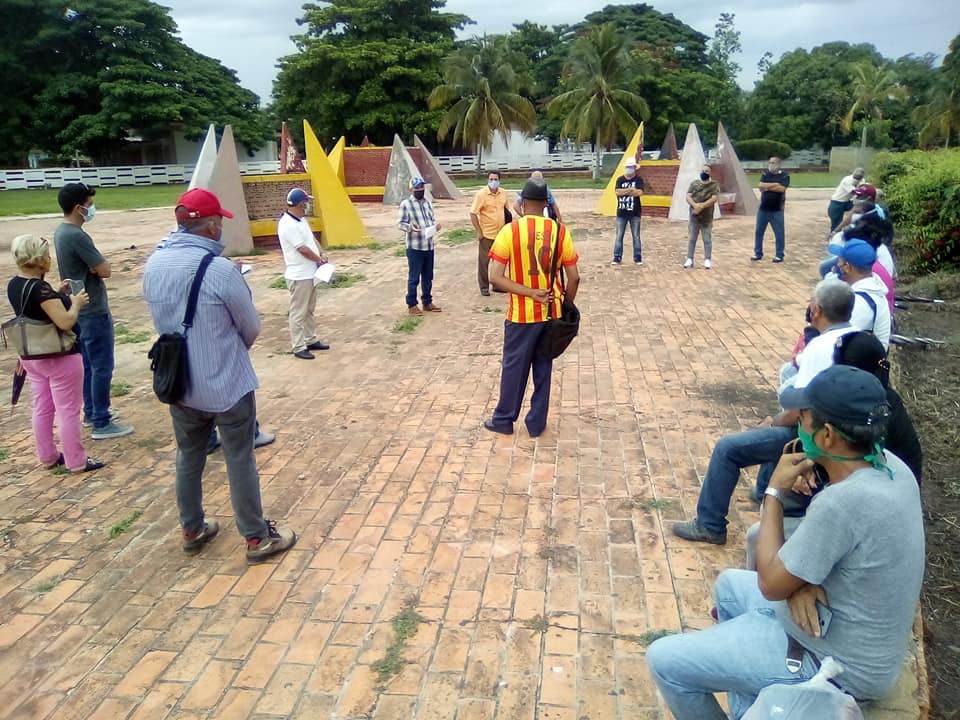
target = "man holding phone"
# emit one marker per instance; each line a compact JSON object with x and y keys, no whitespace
{"x":850,"y":574}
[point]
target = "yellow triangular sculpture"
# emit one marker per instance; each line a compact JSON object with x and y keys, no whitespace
{"x":340,"y":221}
{"x":336,"y":159}
{"x":608,"y":201}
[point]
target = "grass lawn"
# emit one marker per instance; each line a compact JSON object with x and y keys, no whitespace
{"x":37,"y":202}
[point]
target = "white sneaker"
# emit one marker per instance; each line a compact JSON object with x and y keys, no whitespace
{"x":614,"y":262}
{"x":706,"y":264}
{"x":688,"y":263}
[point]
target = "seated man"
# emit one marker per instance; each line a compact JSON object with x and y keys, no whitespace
{"x":829,"y":311}
{"x":850,"y":574}
{"x":871,"y":311}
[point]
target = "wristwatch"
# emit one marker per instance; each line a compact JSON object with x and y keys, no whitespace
{"x":774,"y":493}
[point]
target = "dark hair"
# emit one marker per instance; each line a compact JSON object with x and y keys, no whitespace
{"x":860,"y":438}
{"x":862,"y":350}
{"x":493,"y":172}
{"x":73,"y":194}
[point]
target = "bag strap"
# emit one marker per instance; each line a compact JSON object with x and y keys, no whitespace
{"x":25,"y":295}
{"x":871,"y":303}
{"x":554,"y":262}
{"x":195,"y":292}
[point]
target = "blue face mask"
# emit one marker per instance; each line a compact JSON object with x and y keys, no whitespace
{"x":493,"y":184}
{"x":90,"y":213}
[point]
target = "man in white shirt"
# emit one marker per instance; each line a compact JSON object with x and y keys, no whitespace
{"x":871,"y":313}
{"x":302,"y":256}
{"x":842,"y":199}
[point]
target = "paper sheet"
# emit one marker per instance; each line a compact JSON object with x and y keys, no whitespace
{"x":324,"y":273}
{"x":429,"y":232}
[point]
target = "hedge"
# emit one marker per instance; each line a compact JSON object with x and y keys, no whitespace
{"x":923,"y":194}
{"x":761,"y":149}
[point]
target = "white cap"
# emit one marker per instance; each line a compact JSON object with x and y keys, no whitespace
{"x":631,"y":162}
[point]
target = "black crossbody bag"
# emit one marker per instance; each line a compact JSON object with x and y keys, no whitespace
{"x":168,"y":356}
{"x":560,"y":331}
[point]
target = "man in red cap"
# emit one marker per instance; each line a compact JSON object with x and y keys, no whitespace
{"x":221,"y":391}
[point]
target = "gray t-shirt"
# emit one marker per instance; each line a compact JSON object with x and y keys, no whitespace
{"x":76,"y":256}
{"x":862,"y":540}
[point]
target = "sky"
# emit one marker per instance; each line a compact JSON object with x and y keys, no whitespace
{"x":249,"y":36}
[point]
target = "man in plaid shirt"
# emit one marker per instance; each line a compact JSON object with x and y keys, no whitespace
{"x":421,"y":227}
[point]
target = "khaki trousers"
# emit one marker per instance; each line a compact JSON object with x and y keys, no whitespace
{"x":303,"y":301}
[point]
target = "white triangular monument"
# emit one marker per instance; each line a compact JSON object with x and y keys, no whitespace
{"x":692,"y":158}
{"x":441,"y":186}
{"x":225,"y":184}
{"x":735,"y":180}
{"x":402,"y":169}
{"x":203,"y":170}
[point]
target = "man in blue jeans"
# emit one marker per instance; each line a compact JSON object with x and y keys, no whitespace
{"x":846,"y":583}
{"x":79,"y":260}
{"x":773,"y":195}
{"x":829,"y":310}
{"x":629,"y":189}
{"x":418,"y":222}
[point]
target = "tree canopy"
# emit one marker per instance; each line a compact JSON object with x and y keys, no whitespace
{"x":83,"y":79}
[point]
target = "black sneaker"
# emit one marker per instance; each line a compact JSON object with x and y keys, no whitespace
{"x":505,"y":430}
{"x":756,"y":258}
{"x":778,"y":259}
{"x":304,"y":355}
{"x":276,"y":541}
{"x":692,"y":530}
{"x":193,"y":542}
{"x":318,"y":345}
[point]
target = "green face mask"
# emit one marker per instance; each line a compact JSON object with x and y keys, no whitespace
{"x":810,"y":449}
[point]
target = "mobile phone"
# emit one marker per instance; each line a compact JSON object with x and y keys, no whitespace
{"x":825,"y":616}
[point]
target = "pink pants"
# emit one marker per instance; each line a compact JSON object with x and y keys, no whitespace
{"x":57,"y":385}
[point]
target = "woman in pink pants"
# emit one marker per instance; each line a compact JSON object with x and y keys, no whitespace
{"x":57,"y":382}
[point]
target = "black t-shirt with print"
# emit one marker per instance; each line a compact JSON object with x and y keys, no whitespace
{"x":627,"y":205}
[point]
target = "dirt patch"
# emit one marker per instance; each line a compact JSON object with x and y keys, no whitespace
{"x":929,"y":381}
{"x":750,"y":397}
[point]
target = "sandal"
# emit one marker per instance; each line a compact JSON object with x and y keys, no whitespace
{"x":90,"y":466}
{"x":56,"y":463}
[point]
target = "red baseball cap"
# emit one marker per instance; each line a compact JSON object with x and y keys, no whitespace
{"x":865,"y":190}
{"x":200,"y":203}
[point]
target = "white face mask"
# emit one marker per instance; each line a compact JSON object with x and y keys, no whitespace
{"x":89,"y":213}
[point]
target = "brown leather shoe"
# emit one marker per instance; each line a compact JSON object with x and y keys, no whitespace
{"x":432,"y":308}
{"x":415,"y":310}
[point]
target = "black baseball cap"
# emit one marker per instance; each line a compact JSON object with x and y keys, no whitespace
{"x":841,"y":394}
{"x":534,"y":190}
{"x":73,"y":194}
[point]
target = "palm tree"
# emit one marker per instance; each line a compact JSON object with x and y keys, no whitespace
{"x":484,"y":89}
{"x":602,"y":102}
{"x":872,"y":86}
{"x":940,"y":118}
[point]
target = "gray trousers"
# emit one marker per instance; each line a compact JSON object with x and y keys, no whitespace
{"x":237,"y":427}
{"x":303,"y":303}
{"x":706,"y":231}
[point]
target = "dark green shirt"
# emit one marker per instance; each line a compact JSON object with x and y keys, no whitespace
{"x":76,"y":257}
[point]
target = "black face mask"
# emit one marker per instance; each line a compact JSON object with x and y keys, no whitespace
{"x":807,"y":316}
{"x":418,"y":194}
{"x":704,"y":176}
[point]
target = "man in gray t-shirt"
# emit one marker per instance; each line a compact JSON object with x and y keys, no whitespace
{"x":78,"y":259}
{"x":850,"y":575}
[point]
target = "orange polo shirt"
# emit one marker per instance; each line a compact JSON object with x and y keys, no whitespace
{"x":488,"y":207}
{"x":526,"y":247}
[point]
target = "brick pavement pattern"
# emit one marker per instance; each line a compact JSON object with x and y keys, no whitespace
{"x":533,"y":571}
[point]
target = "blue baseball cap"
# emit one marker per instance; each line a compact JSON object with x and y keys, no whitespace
{"x":297,"y":196}
{"x":416,"y":183}
{"x":858,"y":253}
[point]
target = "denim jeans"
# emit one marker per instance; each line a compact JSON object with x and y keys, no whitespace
{"x":774,"y":218}
{"x":744,"y":653}
{"x":96,"y":346}
{"x":419,"y":272}
{"x":634,"y":232}
{"x":237,"y":427}
{"x":731,"y":454}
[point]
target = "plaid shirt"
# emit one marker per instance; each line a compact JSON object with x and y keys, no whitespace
{"x":419,"y":213}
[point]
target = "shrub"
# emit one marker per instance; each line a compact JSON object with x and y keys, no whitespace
{"x":922,"y":189}
{"x":761,"y":149}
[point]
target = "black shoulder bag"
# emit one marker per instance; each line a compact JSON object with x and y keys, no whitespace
{"x":168,"y":356}
{"x":560,"y":331}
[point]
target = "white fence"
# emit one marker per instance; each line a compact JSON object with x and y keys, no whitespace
{"x":554,"y":161}
{"x":116,"y":176}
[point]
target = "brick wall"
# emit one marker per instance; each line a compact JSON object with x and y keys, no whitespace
{"x":267,"y":197}
{"x":366,"y":167}
{"x":658,"y":179}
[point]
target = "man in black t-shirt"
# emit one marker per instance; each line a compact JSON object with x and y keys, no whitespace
{"x":629,"y":188}
{"x":773,"y":193}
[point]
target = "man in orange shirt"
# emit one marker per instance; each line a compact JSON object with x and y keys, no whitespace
{"x":521,"y":259}
{"x":488,"y":216}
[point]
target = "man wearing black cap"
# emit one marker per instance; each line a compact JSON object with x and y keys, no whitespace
{"x":79,"y":260}
{"x":851,"y":573}
{"x":520,"y":264}
{"x":221,"y":392}
{"x":302,"y":256}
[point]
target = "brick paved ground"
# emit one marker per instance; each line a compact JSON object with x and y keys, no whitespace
{"x":537,"y":566}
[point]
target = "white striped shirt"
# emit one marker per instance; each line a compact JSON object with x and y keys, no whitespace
{"x":225,"y":325}
{"x":417,"y":212}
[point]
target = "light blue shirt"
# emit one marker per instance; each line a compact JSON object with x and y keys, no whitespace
{"x":225,"y":326}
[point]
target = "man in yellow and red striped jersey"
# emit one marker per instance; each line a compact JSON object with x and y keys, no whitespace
{"x":520,"y":262}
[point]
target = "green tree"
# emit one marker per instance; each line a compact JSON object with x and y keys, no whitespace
{"x":480,"y":82}
{"x":917,"y":76}
{"x":83,"y":79}
{"x":541,"y":53}
{"x":366,"y":68}
{"x":938,"y":120}
{"x":726,"y":102}
{"x":873,"y":85}
{"x":601,"y":102}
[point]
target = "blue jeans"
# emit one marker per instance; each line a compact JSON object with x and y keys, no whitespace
{"x":731,"y":454}
{"x":96,"y":346}
{"x":419,"y":272}
{"x":744,"y":653}
{"x":520,"y":356}
{"x":774,"y":218}
{"x":634,"y":232}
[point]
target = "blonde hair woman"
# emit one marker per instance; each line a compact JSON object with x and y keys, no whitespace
{"x":57,"y":382}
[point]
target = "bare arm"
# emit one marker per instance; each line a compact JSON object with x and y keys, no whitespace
{"x":311,"y":255}
{"x":691,"y":202}
{"x":499,"y":279}
{"x":475,"y":219}
{"x":772,"y":187}
{"x":59,"y":315}
{"x":573,"y":282}
{"x":102,"y":270}
{"x":556,"y":212}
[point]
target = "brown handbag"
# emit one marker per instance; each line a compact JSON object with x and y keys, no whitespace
{"x":36,"y":339}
